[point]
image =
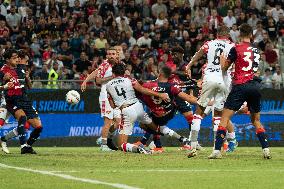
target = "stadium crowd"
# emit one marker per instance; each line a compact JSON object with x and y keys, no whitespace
{"x":67,"y":39}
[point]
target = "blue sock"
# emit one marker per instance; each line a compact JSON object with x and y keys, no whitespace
{"x":220,"y":137}
{"x":157,"y":141}
{"x":260,"y":133}
{"x":145,"y":138}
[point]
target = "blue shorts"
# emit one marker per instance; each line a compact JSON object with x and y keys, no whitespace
{"x":248,"y":92}
{"x":161,"y":121}
{"x":182,"y":106}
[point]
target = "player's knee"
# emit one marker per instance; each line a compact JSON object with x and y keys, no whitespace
{"x":22,"y":120}
{"x":39,"y":129}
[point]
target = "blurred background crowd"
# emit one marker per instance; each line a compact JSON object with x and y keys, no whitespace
{"x":68,"y":39}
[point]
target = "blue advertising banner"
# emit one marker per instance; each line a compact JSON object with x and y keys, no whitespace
{"x":68,"y":125}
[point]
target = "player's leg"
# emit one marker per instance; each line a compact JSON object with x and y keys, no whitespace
{"x":11,"y":134}
{"x":107,"y":114}
{"x":113,"y":128}
{"x":128,"y":117}
{"x":234,"y":101}
{"x":185,"y":109}
{"x":208,"y":91}
{"x":254,"y":108}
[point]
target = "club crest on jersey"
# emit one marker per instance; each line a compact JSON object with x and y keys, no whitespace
{"x":23,"y":71}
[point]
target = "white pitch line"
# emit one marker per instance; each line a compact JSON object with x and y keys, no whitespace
{"x":190,"y":170}
{"x":69,"y":177}
{"x":64,"y":171}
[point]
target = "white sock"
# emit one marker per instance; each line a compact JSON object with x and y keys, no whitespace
{"x":195,"y":127}
{"x":127,"y":147}
{"x":231,"y":135}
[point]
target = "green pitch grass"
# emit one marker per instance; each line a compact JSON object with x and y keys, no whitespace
{"x":244,"y":168}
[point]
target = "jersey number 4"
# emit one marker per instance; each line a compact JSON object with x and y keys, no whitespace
{"x":120,"y":92}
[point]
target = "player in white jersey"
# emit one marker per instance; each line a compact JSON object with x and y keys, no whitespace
{"x":102,"y":75}
{"x":4,"y":115}
{"x":213,"y":86}
{"x":121,"y":92}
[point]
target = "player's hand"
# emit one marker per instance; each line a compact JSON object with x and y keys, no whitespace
{"x":27,"y":74}
{"x":223,"y":59}
{"x":165,"y":97}
{"x":9,"y":85}
{"x":83,"y":86}
{"x":127,"y":73}
{"x":188,"y":72}
{"x":7,"y":76}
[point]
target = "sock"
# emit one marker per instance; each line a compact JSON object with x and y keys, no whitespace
{"x":104,"y":141}
{"x":231,"y":136}
{"x":167,"y":131}
{"x":195,"y":127}
{"x":145,"y":138}
{"x":111,"y":132}
{"x":34,"y":135}
{"x":12,"y":134}
{"x":21,"y":129}
{"x":260,"y":132}
{"x":111,"y":145}
{"x":221,"y":133}
{"x":157,"y":141}
{"x":216,"y":122}
{"x":189,"y":119}
{"x":2,"y":122}
{"x":127,"y":147}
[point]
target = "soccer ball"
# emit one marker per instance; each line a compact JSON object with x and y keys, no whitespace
{"x":72,"y":97}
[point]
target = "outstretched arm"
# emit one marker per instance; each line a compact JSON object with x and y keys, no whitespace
{"x":189,"y":98}
{"x":143,"y":90}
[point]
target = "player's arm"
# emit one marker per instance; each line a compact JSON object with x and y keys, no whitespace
{"x":226,"y":61}
{"x":189,"y":98}
{"x":176,"y":91}
{"x":89,"y":78}
{"x":8,"y":85}
{"x":195,"y":58}
{"x":103,"y":80}
{"x":145,"y":91}
{"x":28,"y":80}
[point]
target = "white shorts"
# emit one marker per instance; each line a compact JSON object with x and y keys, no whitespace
{"x":213,"y":90}
{"x":131,"y":114}
{"x":108,"y":111}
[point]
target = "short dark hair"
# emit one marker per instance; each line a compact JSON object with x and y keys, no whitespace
{"x":118,"y":69}
{"x":22,"y":53}
{"x":223,"y":31}
{"x":9,"y":52}
{"x":245,"y":30}
{"x":166,"y":71}
{"x":178,"y":49}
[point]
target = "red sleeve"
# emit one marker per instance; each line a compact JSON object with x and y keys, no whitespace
{"x":205,"y":47}
{"x":175,"y":90}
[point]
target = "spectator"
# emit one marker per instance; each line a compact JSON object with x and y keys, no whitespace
{"x":267,"y":79}
{"x":82,"y":64}
{"x":253,"y":20}
{"x":13,"y":20}
{"x":145,"y":40}
{"x":262,"y":44}
{"x":271,"y":56}
{"x":131,"y":40}
{"x":65,"y":55}
{"x":101,"y":42}
{"x":229,"y":20}
{"x":160,"y":20}
{"x":214,"y":20}
{"x":271,"y":29}
{"x":278,"y":78}
{"x":235,"y":33}
{"x":276,"y":11}
{"x":258,"y":32}
{"x":158,"y":7}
